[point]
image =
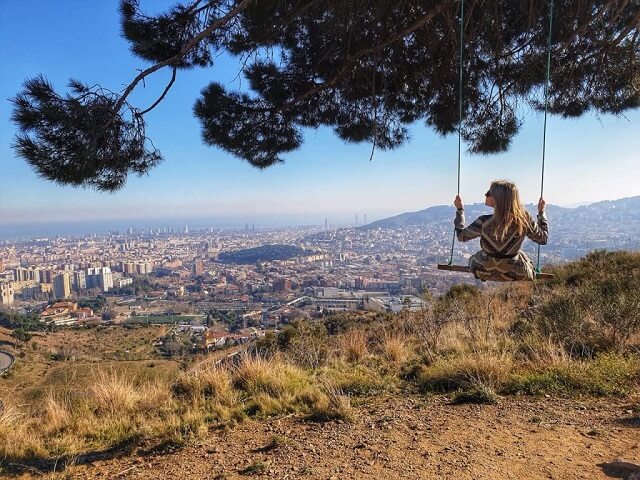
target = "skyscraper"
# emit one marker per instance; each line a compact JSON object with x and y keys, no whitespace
{"x":365,"y":219}
{"x":99,"y":277}
{"x":357,"y":219}
{"x":62,"y":285}
{"x":6,"y":293}
{"x":326,"y":223}
{"x":79,"y":280}
{"x":198,"y":267}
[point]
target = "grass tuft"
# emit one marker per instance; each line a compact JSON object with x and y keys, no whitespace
{"x":395,"y":349}
{"x":258,"y":467}
{"x":354,"y":345}
{"x":478,"y":395}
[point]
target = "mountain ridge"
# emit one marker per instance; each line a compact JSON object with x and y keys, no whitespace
{"x":629,"y":206}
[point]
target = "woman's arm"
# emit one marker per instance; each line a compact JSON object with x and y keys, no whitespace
{"x":539,"y":230}
{"x":463,"y":233}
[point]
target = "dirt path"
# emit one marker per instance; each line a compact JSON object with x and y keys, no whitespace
{"x":412,"y":437}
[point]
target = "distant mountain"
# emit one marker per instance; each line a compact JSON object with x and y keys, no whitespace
{"x":608,"y":212}
{"x":264,"y":253}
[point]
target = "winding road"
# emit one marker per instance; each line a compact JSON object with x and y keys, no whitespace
{"x":6,"y":359}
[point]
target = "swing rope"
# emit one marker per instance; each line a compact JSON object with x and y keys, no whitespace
{"x":460,"y":82}
{"x":546,"y":108}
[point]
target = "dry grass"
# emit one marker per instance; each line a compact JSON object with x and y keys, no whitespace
{"x":481,"y":369}
{"x":331,"y":404}
{"x":394,"y":348}
{"x":257,"y":375}
{"x":475,"y":345}
{"x":202,"y":384}
{"x":16,"y":439}
{"x":353,"y":345}
{"x":57,"y":411}
{"x":112,"y":393}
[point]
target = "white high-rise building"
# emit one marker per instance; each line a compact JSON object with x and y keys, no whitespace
{"x":101,"y":278}
{"x":106,"y":279}
{"x":6,"y":293}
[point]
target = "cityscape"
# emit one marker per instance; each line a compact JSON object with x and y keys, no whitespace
{"x":233,"y":284}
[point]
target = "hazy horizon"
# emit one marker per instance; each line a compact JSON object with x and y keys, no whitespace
{"x":35,"y":229}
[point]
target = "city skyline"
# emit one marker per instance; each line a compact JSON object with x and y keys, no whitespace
{"x":253,"y":225}
{"x":588,"y":159}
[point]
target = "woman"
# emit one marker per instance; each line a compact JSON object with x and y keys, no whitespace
{"x":502,"y":234}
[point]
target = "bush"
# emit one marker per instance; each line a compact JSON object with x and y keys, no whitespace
{"x":20,"y":335}
{"x":594,"y":304}
{"x":607,"y":375}
{"x":304,"y":342}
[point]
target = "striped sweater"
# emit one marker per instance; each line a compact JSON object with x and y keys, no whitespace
{"x":482,"y":227}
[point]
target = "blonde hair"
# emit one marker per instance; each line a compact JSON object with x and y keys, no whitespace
{"x":508,"y":211}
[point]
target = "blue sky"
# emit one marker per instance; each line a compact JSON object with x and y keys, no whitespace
{"x":588,"y":159}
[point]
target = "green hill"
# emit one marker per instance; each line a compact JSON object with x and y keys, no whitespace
{"x":263,"y":253}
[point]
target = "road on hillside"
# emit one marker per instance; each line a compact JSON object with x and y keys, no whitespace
{"x":6,"y":360}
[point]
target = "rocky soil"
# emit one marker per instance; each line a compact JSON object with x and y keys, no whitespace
{"x":414,"y":437}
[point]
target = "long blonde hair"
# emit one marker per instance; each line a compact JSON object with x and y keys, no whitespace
{"x":508,"y":211}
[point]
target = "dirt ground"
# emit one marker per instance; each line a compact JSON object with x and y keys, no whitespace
{"x":412,"y":437}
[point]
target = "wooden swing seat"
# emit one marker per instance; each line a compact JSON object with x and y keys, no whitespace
{"x":465,"y":269}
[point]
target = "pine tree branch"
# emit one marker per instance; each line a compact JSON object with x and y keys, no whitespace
{"x":173,"y":79}
{"x":185,"y":50}
{"x":352,"y":59}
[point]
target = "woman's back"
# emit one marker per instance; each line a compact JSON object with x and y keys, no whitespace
{"x":493,"y":242}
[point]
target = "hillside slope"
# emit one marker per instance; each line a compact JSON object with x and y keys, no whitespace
{"x":522,"y":380}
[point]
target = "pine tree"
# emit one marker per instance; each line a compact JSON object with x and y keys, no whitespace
{"x":365,"y":68}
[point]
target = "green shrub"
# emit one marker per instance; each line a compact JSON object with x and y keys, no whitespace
{"x":593,"y":305}
{"x":258,"y":467}
{"x":357,"y":379}
{"x":607,"y":375}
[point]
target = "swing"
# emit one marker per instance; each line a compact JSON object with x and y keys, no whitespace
{"x":463,"y":268}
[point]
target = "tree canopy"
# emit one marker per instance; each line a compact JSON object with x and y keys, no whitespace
{"x":365,"y":68}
